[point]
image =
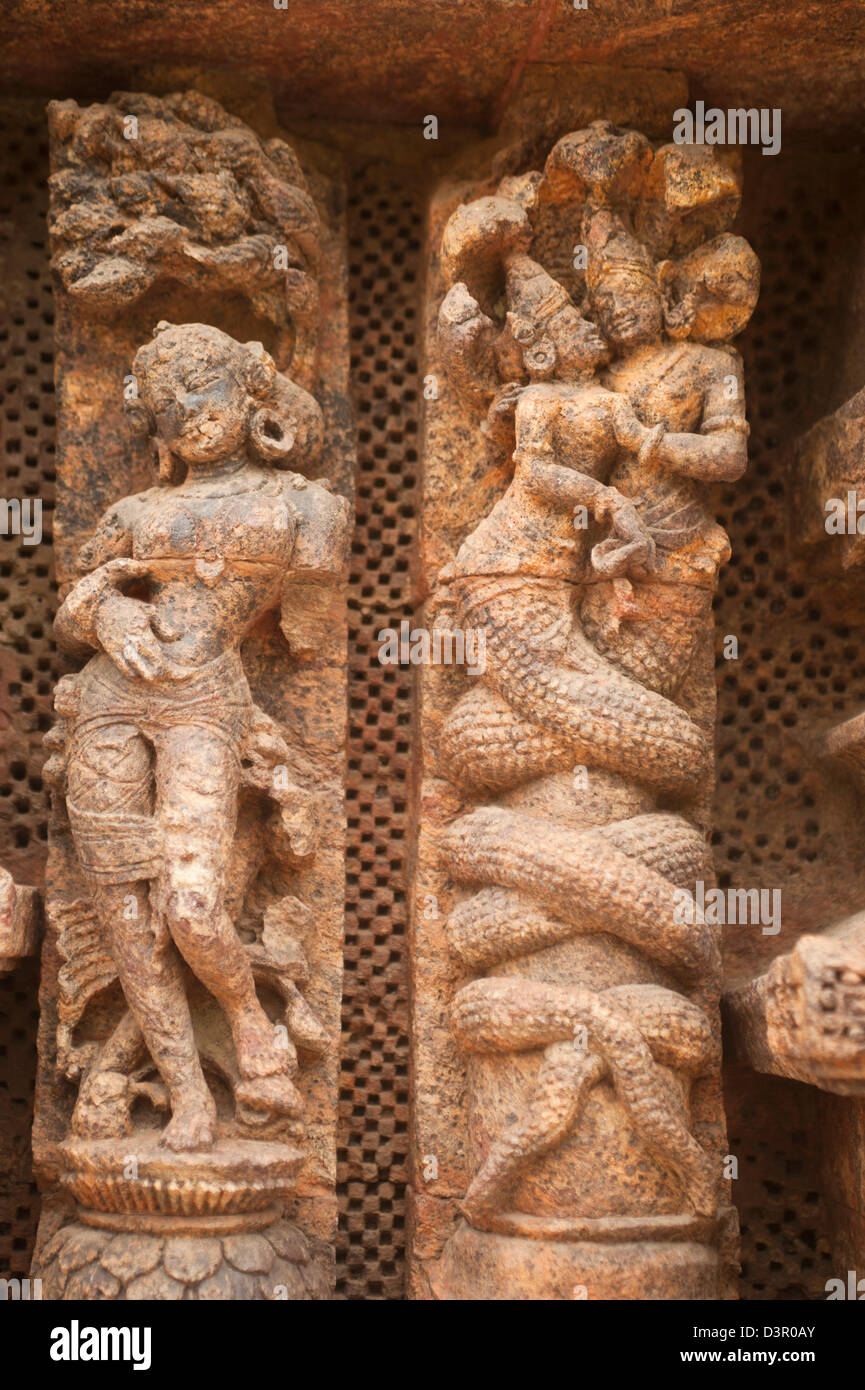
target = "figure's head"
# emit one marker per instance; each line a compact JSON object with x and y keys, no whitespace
{"x":711,"y":292}
{"x":553,"y":337}
{"x":209,"y":399}
{"x":621,"y":285}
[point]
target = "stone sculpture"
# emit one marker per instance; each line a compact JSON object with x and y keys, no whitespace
{"x":590,"y":1030}
{"x":20,"y":922}
{"x":189,"y":929}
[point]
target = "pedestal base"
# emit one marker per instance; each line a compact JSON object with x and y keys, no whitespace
{"x":279,"y":1263}
{"x":153,"y":1224}
{"x":474,"y":1263}
{"x":234,"y":1177}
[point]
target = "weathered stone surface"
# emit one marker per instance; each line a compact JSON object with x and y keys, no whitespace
{"x":191,"y":1260}
{"x":225,"y":1285}
{"x":250,"y":1254}
{"x":80,"y":1246}
{"x":784,"y":814}
{"x":563,"y":813}
{"x":288,"y":1242}
{"x":94,"y":1283}
{"x":284,"y":1283}
{"x":20,"y":922}
{"x":140,"y":1266}
{"x":155,"y":1286}
{"x":127,"y":1256}
{"x":391,"y":60}
{"x":196,"y":764}
{"x":805,"y":1016}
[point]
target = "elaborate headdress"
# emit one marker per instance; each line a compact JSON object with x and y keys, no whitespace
{"x":712,"y":291}
{"x":611,"y":247}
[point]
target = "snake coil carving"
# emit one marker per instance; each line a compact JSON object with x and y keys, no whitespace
{"x":610,"y":399}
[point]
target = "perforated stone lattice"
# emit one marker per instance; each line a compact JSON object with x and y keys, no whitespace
{"x":29,"y":666}
{"x":793,"y":666}
{"x":772,"y":1129}
{"x":385,"y":220}
{"x":799,"y":671}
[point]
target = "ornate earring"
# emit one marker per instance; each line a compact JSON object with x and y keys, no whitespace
{"x":272,"y":437}
{"x":139,"y":418}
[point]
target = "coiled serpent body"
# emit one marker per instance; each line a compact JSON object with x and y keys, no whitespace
{"x":548,"y":701}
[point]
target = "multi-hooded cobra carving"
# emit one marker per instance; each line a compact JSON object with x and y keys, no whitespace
{"x":585,"y":327}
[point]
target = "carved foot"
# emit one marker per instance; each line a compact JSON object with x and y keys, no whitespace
{"x":192,"y":1126}
{"x":102,"y":1108}
{"x":275,"y":1094}
{"x":265,"y":1086}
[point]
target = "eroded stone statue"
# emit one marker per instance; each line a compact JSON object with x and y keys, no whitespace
{"x":161,"y":730}
{"x":184,"y":1133}
{"x":591,"y":1030}
{"x":189,"y":808}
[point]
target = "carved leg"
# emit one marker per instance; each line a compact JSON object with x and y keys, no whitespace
{"x":110,"y":774}
{"x":502,"y":1014}
{"x":149,"y":971}
{"x":102,"y":1107}
{"x":196,"y":807}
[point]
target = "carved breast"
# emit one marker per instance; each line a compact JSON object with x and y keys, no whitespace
{"x":257,"y":529}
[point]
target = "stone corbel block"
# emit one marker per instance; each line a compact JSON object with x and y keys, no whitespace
{"x":828,"y":486}
{"x":804,"y":1017}
{"x":20,"y":922}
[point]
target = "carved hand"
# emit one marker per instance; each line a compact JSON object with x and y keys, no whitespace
{"x":629,"y":432}
{"x":130,"y":631}
{"x":630,"y":546}
{"x":126,"y":629}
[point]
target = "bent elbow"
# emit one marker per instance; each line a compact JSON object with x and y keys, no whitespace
{"x":733,"y":460}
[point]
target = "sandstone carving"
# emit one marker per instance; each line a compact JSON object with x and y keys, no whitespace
{"x":828,"y":476}
{"x":196,"y":824}
{"x":160,"y":732}
{"x":585,"y":326}
{"x":804,"y":1017}
{"x":151,"y":188}
{"x":20,"y":922}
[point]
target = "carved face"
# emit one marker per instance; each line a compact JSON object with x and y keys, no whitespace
{"x":577,"y":345}
{"x":564,"y":345}
{"x":200,"y":405}
{"x":628,"y":307}
{"x":714,"y":289}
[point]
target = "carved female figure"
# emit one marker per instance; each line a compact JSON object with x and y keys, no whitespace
{"x":566,"y":892}
{"x":689,"y":398}
{"x":515,"y":574}
{"x":161,"y":723}
{"x":553,"y":701}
